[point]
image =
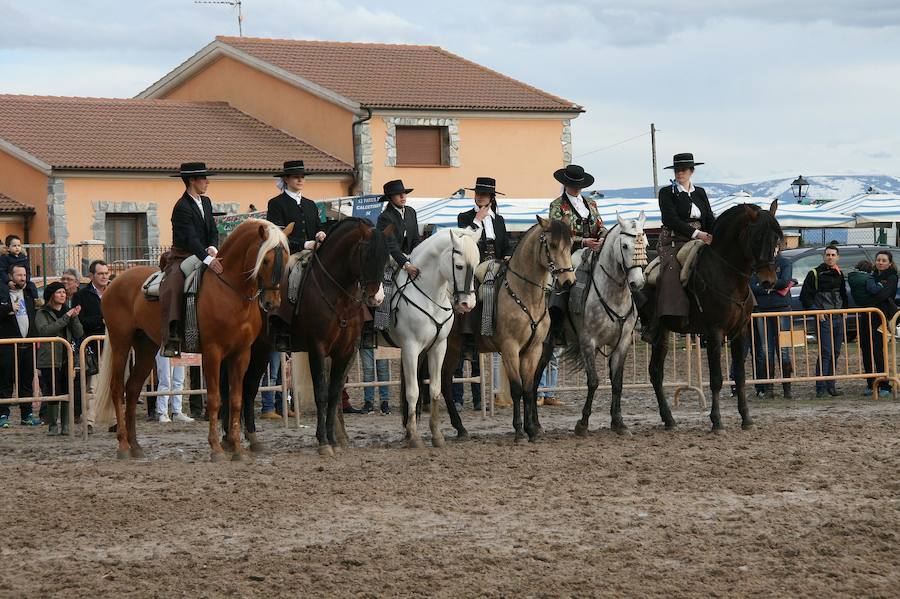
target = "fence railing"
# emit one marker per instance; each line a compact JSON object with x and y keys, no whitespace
{"x":49,"y":260}
{"x":36,"y":383}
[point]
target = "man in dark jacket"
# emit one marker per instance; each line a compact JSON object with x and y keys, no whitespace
{"x":766,"y":331}
{"x":825,"y":289}
{"x":194,"y":233}
{"x":91,"y":317}
{"x":406,"y":225}
{"x":17,"y":314}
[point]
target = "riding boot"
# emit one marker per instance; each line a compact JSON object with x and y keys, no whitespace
{"x":281,"y":336}
{"x":172,"y":346}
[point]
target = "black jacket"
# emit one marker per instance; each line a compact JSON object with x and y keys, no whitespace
{"x":826,"y":281}
{"x":501,"y":238}
{"x":283,"y":210}
{"x":675,"y":209}
{"x":406,"y":231}
{"x":884,"y":299}
{"x":768,"y":298}
{"x":9,"y":326}
{"x":91,"y":316}
{"x":192,"y":232}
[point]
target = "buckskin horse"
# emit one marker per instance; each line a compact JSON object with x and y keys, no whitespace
{"x":229,"y":319}
{"x":745,"y":238}
{"x":522,"y":324}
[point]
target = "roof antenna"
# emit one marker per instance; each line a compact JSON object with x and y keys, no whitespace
{"x":229,"y":3}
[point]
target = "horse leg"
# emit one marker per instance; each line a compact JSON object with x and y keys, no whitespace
{"x":212,"y":365}
{"x":714,"y":356}
{"x":237,"y":368}
{"x":593,"y":381}
{"x":435,"y":363}
{"x":511,"y":363}
{"x":117,"y":390}
{"x":317,"y":372}
{"x":144,"y":360}
{"x":259,"y":361}
{"x":617,"y":372}
{"x":225,"y":410}
{"x":546,"y":355}
{"x":451,"y":359}
{"x":409,"y":358}
{"x":737,"y":366}
{"x":657,"y":370}
{"x":528,"y":386}
{"x":335,"y":387}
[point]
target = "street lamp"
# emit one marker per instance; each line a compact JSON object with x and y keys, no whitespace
{"x":800,"y":188}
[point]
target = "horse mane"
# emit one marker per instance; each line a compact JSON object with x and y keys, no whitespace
{"x":470,"y":251}
{"x":249,"y":227}
{"x":735,"y":217}
{"x":374,"y":260}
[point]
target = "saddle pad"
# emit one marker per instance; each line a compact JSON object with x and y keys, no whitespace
{"x":151,"y":285}
{"x":297,"y":263}
{"x":651,"y":273}
{"x":481,"y":271}
{"x":687,"y":256}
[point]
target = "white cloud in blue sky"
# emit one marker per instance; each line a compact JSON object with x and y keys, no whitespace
{"x":756,"y":88}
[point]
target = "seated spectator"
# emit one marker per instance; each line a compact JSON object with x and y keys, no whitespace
{"x":54,"y":320}
{"x":16,"y":256}
{"x":17,"y":321}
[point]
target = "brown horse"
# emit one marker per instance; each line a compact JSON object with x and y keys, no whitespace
{"x":344,"y":273}
{"x":229,"y":319}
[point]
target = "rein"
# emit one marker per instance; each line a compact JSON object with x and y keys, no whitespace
{"x":353,"y":297}
{"x":277,"y":272}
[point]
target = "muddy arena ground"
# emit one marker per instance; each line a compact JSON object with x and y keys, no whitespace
{"x":805,"y":504}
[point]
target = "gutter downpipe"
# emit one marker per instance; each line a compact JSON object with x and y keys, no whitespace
{"x":358,"y":121}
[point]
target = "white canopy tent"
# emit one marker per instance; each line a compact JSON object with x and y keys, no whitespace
{"x":790,"y":216}
{"x":869,"y":208}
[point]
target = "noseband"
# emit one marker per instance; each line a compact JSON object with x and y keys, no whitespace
{"x":551,"y":265}
{"x":469,"y":280}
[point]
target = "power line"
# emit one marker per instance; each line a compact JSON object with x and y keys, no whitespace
{"x":618,"y":143}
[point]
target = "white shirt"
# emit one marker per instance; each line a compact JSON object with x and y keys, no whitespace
{"x":296,"y":196}
{"x":199,"y":201}
{"x":18,"y":301}
{"x":487,"y":224}
{"x":579,"y":206}
{"x":695,"y":211}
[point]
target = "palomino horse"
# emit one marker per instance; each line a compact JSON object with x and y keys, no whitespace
{"x":745,"y":238}
{"x":229,"y":320}
{"x":521,"y":317}
{"x":609,"y":315}
{"x":422,"y":310}
{"x":344,"y":273}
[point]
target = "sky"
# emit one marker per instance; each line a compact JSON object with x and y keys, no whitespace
{"x":757,"y":89}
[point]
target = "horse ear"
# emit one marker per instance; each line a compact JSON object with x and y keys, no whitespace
{"x":620,"y":220}
{"x":543,"y":222}
{"x":263,"y":231}
{"x":752,"y":211}
{"x":289,"y":229}
{"x":773,"y":206}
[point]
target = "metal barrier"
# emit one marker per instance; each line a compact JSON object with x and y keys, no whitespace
{"x":37,"y":395}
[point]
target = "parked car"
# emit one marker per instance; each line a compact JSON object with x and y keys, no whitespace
{"x":803,"y":260}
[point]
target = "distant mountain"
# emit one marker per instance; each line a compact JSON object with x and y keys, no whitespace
{"x":836,"y":187}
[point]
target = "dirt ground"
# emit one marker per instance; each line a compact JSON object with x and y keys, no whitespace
{"x":807,"y":503}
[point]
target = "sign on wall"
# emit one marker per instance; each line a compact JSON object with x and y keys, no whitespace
{"x":367,"y":206}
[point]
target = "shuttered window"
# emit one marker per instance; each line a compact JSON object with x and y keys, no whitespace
{"x":422,"y":146}
{"x":126,"y":236}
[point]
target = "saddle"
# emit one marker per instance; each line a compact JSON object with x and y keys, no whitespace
{"x":583,"y":272}
{"x":190,"y":266}
{"x":296,"y":265}
{"x":687,"y":258}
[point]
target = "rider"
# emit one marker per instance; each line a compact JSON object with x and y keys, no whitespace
{"x":193,"y":232}
{"x":406,"y":225}
{"x":291,"y":207}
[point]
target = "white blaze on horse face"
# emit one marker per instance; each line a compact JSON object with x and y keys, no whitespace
{"x":378,"y":298}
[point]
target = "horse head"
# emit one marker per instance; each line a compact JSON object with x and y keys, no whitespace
{"x":464,"y":258}
{"x":556,"y":241}
{"x":763,"y":237}
{"x":373,"y":257}
{"x":264,"y":247}
{"x":632,"y":249}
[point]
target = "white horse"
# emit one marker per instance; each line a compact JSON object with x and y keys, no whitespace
{"x":609,"y":314}
{"x":422,"y":311}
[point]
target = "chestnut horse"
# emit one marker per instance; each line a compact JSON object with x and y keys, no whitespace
{"x":229,"y":319}
{"x":344,"y":273}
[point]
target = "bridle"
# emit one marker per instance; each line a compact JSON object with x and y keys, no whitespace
{"x":356,"y":297}
{"x":261,"y":287}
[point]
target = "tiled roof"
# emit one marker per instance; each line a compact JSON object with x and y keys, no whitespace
{"x":150,"y":135}
{"x":400,"y":76}
{"x":10,"y":206}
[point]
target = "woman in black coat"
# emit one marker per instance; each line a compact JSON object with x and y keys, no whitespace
{"x":886,"y":274}
{"x":494,"y":241}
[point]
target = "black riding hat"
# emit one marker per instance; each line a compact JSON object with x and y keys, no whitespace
{"x":684,"y":160}
{"x":194,"y":169}
{"x":292,"y":167}
{"x":485,"y":185}
{"x":393,"y":188}
{"x":574,"y":176}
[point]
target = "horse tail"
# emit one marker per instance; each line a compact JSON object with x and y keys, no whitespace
{"x":104,"y":410}
{"x":572,"y":352}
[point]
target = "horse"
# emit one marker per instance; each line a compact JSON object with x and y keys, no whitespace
{"x":343,"y":274}
{"x":609,"y":315}
{"x":423,"y":311}
{"x":228,"y":316}
{"x":745,"y":238}
{"x":522,"y":324}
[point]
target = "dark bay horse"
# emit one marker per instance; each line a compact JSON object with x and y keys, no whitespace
{"x":229,"y":320}
{"x":343,"y":275}
{"x":745,"y":238}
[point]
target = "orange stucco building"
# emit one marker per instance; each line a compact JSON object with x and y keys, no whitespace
{"x":357,"y":114}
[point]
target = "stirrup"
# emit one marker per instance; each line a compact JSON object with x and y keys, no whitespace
{"x":281,"y":342}
{"x":171,"y":348}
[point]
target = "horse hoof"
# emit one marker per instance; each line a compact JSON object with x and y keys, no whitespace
{"x":122,"y":454}
{"x":670,"y":425}
{"x":227,"y":445}
{"x":218,"y":456}
{"x":437,"y":442}
{"x":463,"y":434}
{"x":518,"y":438}
{"x":137,"y":453}
{"x":717,"y":429}
{"x":581,"y":429}
{"x":237,"y":456}
{"x":326,"y":451}
{"x":622,"y":430}
{"x":337,"y":448}
{"x":747,"y":424}
{"x":257,"y":447}
{"x":415,"y":443}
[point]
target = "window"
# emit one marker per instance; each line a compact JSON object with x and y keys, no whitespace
{"x":423,"y":146}
{"x":126,"y":236}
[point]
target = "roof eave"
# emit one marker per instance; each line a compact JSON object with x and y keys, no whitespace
{"x":24,"y":156}
{"x":218,"y":49}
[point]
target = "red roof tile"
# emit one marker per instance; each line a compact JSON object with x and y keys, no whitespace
{"x":150,"y":135}
{"x":11,"y":206}
{"x":400,"y":76}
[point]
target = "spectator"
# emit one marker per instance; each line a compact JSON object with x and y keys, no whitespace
{"x":88,"y":297}
{"x":69,"y":278}
{"x":171,"y":379}
{"x":369,"y":366}
{"x":876,"y":290}
{"x":16,"y":255}
{"x":550,"y":378}
{"x":55,"y":320}
{"x":273,"y":401}
{"x":459,"y":388}
{"x":824,"y":289}
{"x":766,"y":331}
{"x":17,"y":321}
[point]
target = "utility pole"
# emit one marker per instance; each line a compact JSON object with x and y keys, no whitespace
{"x":229,"y":3}
{"x":653,"y":148}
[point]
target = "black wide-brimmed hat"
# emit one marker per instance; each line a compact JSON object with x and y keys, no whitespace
{"x":292,"y":167}
{"x":393,"y":188}
{"x":574,"y":176}
{"x":485,"y":185}
{"x":194,"y":169}
{"x":684,"y":160}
